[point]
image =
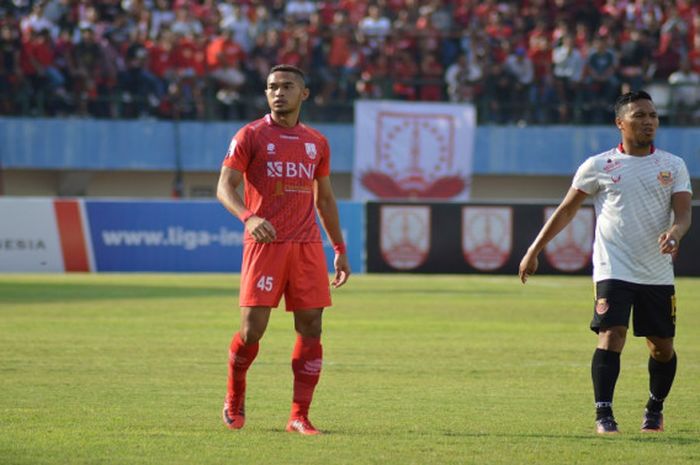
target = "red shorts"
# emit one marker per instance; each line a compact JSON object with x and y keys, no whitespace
{"x":295,"y":269}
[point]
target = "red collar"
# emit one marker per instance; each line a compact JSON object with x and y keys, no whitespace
{"x":270,"y":122}
{"x":622,"y":149}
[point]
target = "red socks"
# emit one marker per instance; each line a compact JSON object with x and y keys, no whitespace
{"x":306,"y":365}
{"x":240,"y":358}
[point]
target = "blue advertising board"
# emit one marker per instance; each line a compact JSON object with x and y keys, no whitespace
{"x":186,"y":236}
{"x":352,"y":221}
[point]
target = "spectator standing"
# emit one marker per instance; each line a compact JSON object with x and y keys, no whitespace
{"x":47,"y":82}
{"x":299,"y":11}
{"x":463,"y":79}
{"x":36,"y":21}
{"x":431,"y":71}
{"x":568,"y":73}
{"x":88,"y":58}
{"x":185,"y":24}
{"x":519,"y":65}
{"x":162,"y":16}
{"x":375,"y":80}
{"x":685,"y":94}
{"x":11,"y":75}
{"x":375,"y":26}
{"x":238,"y":23}
{"x":140,"y":88}
{"x":602,"y":84}
{"x":498,"y":87}
{"x":635,"y":58}
{"x":405,"y":67}
{"x":229,"y":79}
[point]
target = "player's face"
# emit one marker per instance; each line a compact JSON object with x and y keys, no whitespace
{"x":285,"y":91}
{"x":638,"y":122}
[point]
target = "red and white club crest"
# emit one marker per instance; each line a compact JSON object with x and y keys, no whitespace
{"x":310,"y":149}
{"x":405,"y":235}
{"x":414,"y":157}
{"x":601,"y":306}
{"x":571,"y":249}
{"x":487,"y":236}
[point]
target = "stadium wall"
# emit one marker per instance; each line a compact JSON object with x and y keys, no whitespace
{"x":95,"y":158}
{"x":55,"y":235}
{"x":77,"y":235}
{"x":488,"y":238}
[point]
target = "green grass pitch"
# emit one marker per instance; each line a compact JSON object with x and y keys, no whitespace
{"x":131,"y":369}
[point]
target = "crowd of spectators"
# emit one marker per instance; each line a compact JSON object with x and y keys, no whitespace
{"x":529,"y":61}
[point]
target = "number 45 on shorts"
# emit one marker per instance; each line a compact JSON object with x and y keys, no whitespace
{"x":264,"y":283}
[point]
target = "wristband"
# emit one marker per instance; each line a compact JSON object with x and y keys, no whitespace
{"x":340,"y":248}
{"x":246,"y":215}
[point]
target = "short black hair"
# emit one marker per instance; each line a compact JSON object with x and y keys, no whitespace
{"x":288,"y":69}
{"x":630,"y":97}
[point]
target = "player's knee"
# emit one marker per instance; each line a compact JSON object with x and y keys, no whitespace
{"x":251,"y":335}
{"x":612,"y":338}
{"x":309,"y":330}
{"x":662,"y":354}
{"x":309,"y":323}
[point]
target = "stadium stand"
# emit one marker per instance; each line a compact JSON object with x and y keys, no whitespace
{"x":527,"y":62}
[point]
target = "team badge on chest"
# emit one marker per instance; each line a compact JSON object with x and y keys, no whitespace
{"x":310,"y":149}
{"x":665,"y":178}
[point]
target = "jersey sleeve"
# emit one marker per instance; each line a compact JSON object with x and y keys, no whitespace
{"x":586,"y":177}
{"x":324,"y":164}
{"x":682,"y":181}
{"x":239,"y":154}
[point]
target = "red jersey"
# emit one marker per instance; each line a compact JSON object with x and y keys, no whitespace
{"x":279,"y":166}
{"x":161,"y":60}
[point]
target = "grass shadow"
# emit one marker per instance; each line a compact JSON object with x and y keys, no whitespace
{"x":427,"y":291}
{"x":37,"y":292}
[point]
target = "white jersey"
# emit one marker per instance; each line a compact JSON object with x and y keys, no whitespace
{"x":632,"y":196}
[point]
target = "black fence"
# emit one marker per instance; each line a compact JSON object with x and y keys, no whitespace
{"x":678,"y":105}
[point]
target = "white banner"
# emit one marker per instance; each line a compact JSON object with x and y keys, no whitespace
{"x":29,"y":240}
{"x":409,"y":150}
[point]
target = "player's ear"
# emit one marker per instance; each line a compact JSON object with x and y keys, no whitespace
{"x":618,"y":122}
{"x":305,"y":93}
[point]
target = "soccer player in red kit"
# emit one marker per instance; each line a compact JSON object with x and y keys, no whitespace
{"x":285,"y":167}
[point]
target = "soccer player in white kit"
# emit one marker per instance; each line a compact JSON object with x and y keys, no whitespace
{"x":642,"y":199}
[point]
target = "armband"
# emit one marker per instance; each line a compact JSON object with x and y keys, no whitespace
{"x":340,"y":248}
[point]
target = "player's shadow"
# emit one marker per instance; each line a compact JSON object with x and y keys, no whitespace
{"x":636,"y":436}
{"x":37,"y":292}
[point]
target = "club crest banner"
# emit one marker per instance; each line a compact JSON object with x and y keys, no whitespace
{"x":405,"y":235}
{"x":411,"y":151}
{"x":571,"y":249}
{"x":487,"y":236}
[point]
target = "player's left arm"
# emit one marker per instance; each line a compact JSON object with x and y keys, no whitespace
{"x":670,"y":240}
{"x":327,"y":209}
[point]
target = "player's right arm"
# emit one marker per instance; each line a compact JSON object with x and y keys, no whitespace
{"x":562,"y":216}
{"x":227,"y":193}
